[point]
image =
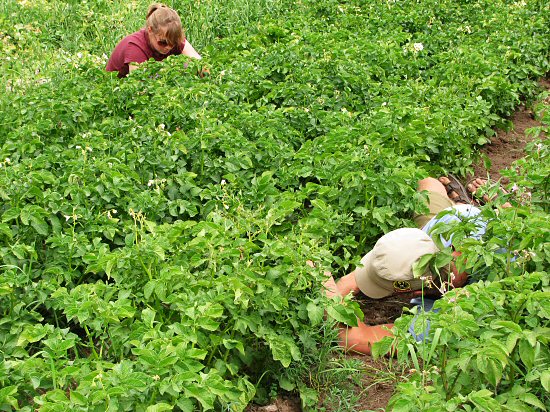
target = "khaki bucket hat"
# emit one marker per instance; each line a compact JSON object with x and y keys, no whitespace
{"x":387,"y":268}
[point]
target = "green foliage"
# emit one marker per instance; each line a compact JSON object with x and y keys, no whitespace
{"x":491,"y":351}
{"x":154,"y":230}
{"x":487,"y":347}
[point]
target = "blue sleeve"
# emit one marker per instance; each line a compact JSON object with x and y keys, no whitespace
{"x":424,"y":305}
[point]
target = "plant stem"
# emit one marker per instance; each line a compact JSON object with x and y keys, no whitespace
{"x":444,"y":373}
{"x":90,"y":341}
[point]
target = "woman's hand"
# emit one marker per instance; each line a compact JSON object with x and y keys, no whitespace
{"x":203,"y":72}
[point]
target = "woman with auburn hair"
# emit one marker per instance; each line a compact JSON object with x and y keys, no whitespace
{"x":161,"y":37}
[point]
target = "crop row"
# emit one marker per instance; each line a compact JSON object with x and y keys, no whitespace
{"x":154,"y":230}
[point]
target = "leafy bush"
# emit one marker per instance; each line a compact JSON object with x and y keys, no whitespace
{"x":487,"y":350}
{"x":487,"y":346}
{"x":154,"y":229}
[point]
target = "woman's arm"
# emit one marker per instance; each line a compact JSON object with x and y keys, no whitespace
{"x":188,"y":50}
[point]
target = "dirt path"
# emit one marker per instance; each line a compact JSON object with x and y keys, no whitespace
{"x":508,"y":146}
{"x":379,"y":378}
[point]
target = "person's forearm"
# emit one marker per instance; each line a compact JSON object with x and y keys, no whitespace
{"x":347,"y":284}
{"x":188,"y":50}
{"x":361,"y":338}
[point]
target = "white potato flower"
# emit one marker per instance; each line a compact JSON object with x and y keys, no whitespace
{"x":418,"y":47}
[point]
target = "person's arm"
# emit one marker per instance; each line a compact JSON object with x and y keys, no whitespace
{"x":347,"y":284}
{"x":189,"y":51}
{"x":458,"y":279}
{"x":361,"y":337}
{"x":358,"y":338}
{"x":133,"y":56}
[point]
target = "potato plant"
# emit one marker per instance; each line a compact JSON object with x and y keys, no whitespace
{"x":154,"y":230}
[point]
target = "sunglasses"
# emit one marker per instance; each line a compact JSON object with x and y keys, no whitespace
{"x":161,"y":42}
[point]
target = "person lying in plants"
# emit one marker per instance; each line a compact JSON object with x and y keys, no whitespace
{"x":162,"y":37}
{"x":408,"y":259}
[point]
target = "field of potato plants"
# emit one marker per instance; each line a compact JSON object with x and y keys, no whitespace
{"x":154,"y":230}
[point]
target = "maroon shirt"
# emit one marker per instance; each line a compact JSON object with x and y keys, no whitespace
{"x":136,"y":48}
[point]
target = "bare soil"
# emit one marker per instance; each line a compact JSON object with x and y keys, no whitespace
{"x":378,"y":382}
{"x":508,"y":146}
{"x":381,"y":311}
{"x":376,"y":385}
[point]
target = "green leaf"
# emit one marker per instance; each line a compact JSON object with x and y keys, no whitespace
{"x":315,"y":313}
{"x":148,"y":289}
{"x":401,"y":405}
{"x":33,"y":334}
{"x":526,"y":353}
{"x":201,"y":394}
{"x":146,"y":356}
{"x":382,"y":347}
{"x":420,"y":267}
{"x":159,"y":407}
{"x":286,"y":384}
{"x":515,"y":405}
{"x":531,"y":337}
{"x":185,"y":404}
{"x":57,"y":395}
{"x":78,"y":398}
{"x":25,"y":215}
{"x":511,"y":341}
{"x":55,"y":222}
{"x":532,"y":400}
{"x":167,"y":361}
{"x":283,"y":349}
{"x":58,"y":345}
{"x":545,"y":380}
{"x":11,"y":214}
{"x":208,"y":324}
{"x":492,"y":370}
{"x":148,"y":317}
{"x":6,"y":396}
{"x":484,"y":401}
{"x":196,"y":353}
{"x":40,"y":225}
{"x":309,"y":397}
{"x":443,"y":258}
{"x":213,"y":311}
{"x":464,"y":361}
{"x":234,"y":344}
{"x":342,"y":314}
{"x":6,"y":230}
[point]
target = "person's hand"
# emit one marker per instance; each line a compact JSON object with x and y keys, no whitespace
{"x":203,"y":72}
{"x":331,"y":289}
{"x":457,"y":279}
{"x":312,"y":265}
